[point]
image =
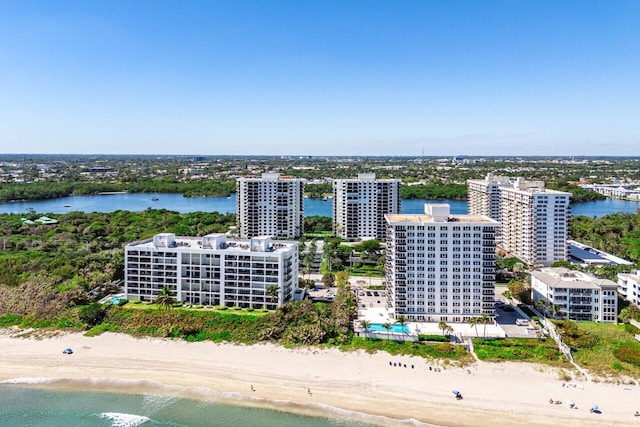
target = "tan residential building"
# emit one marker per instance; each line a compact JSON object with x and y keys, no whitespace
{"x":578,"y":295}
{"x":484,"y":195}
{"x":534,"y":222}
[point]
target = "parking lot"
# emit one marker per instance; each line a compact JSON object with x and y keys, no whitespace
{"x":371,"y":299}
{"x":507,"y":316}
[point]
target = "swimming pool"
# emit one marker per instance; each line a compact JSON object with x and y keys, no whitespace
{"x":395,"y":327}
{"x":113,"y":299}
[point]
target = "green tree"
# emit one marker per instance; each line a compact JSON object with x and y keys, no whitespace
{"x":402,"y":321}
{"x":272,"y":294}
{"x":165,"y":298}
{"x":485,"y":319}
{"x":328,"y":279}
{"x":442,"y":325}
{"x":92,"y":314}
{"x":473,"y":321}
{"x":387,"y":326}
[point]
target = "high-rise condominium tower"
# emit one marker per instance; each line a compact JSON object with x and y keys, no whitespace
{"x":271,"y":205}
{"x":484,"y":195}
{"x":359,"y":206}
{"x":534,"y":222}
{"x":440,"y":266}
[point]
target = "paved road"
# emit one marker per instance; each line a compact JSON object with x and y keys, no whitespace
{"x":507,"y":321}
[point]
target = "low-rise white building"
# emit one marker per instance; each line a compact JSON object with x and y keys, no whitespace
{"x":578,"y":295}
{"x":629,"y":286}
{"x":212,"y":270}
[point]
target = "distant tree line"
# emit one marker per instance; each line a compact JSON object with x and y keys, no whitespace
{"x":578,"y":194}
{"x":318,"y":191}
{"x":53,"y":190}
{"x":435,"y":191}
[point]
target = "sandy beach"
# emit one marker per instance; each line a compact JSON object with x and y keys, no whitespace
{"x":316,"y":381}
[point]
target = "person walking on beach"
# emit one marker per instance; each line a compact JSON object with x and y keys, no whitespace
{"x":309,"y":391}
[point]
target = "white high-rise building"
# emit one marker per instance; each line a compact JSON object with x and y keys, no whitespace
{"x":272,"y":205}
{"x":534,"y":222}
{"x":578,"y":295}
{"x":440,"y":266}
{"x":484,"y":195}
{"x":359,"y":206}
{"x":212,"y":270}
{"x":629,"y":286}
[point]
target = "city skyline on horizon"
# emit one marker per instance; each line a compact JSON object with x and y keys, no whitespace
{"x":497,"y":78}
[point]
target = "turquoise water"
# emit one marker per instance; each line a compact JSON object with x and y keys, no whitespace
{"x":394,"y":328}
{"x":116,"y":299}
{"x":24,"y":407}
{"x":176,"y":202}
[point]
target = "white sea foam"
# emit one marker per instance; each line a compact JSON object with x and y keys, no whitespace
{"x":34,"y":380}
{"x":154,"y":402}
{"x":124,"y":420}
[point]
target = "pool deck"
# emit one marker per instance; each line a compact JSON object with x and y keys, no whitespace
{"x":109,"y":298}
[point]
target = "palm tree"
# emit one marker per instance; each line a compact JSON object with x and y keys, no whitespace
{"x":554,"y":309}
{"x":402,"y":321}
{"x":473,"y":321}
{"x":442,"y":325}
{"x":272,"y":292}
{"x":165,"y":298}
{"x":449,"y":330}
{"x":518,"y":268}
{"x":365,"y":324}
{"x":484,"y":319}
{"x":542,"y":306}
{"x":387,"y":326}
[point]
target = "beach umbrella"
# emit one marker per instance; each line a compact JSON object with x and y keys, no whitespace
{"x":455,"y":392}
{"x":595,"y":408}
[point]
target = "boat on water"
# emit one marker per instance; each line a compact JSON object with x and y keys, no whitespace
{"x":154,"y":199}
{"x":67,"y":206}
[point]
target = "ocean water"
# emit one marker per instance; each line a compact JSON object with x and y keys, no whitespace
{"x":22,"y":405}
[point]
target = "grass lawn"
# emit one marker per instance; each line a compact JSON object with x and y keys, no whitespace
{"x":229,"y":310}
{"x":451,"y":353}
{"x":520,"y":349}
{"x":599,"y":352}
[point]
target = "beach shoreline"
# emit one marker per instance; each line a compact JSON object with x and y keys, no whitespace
{"x":313,"y":381}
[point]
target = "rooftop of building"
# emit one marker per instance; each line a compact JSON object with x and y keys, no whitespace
{"x":561,"y":277}
{"x":438,"y":213}
{"x":534,"y":190}
{"x":493,"y":179}
{"x":585,"y":254}
{"x":214,"y":242}
{"x":366,"y":177}
{"x":270,"y":177}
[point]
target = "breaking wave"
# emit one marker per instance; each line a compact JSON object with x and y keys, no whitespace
{"x":124,"y":420}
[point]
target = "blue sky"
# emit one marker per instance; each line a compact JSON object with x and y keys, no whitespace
{"x":320,"y":78}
